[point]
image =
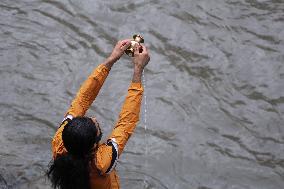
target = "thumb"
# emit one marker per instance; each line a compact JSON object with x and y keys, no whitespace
{"x":136,"y":49}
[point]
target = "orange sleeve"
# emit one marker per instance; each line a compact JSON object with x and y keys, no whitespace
{"x":103,"y":158}
{"x":88,"y":92}
{"x":83,"y":100}
{"x":57,"y":143}
{"x":128,"y":117}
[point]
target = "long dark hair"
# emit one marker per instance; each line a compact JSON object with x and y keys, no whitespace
{"x":71,"y":170}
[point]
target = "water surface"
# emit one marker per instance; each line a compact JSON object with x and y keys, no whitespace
{"x":214,"y":87}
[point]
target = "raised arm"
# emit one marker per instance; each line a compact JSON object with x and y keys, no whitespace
{"x":129,"y":115}
{"x":91,"y":87}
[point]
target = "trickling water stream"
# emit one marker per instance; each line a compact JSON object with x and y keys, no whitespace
{"x":145,"y":125}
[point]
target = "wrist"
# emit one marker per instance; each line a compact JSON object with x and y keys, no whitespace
{"x":109,"y":62}
{"x":138,"y":69}
{"x":137,"y":74}
{"x":112,"y":59}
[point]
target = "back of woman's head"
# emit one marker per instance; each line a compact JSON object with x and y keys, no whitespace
{"x":79,"y":136}
{"x":71,"y":170}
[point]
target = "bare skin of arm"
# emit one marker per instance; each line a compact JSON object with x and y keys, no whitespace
{"x":117,"y":52}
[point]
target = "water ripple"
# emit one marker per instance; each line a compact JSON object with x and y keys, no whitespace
{"x":214,"y":88}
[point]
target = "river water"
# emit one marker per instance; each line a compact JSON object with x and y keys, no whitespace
{"x":214,"y":88}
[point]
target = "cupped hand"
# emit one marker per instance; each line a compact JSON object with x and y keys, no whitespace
{"x":119,"y":48}
{"x":141,"y":57}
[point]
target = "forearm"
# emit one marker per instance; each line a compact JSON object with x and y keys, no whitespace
{"x":137,"y":74}
{"x":89,"y":90}
{"x":129,"y":116}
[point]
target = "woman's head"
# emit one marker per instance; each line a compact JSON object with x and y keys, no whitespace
{"x":71,"y":170}
{"x":80,"y":135}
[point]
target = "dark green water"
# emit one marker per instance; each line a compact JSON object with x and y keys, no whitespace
{"x":215,"y":88}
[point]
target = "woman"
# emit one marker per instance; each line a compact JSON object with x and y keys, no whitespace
{"x":80,"y":161}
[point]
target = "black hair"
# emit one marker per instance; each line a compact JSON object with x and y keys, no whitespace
{"x":71,"y":170}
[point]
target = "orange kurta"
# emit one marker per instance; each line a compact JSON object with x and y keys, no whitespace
{"x":103,"y":174}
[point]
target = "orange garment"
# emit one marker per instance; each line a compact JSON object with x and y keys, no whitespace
{"x":102,"y":176}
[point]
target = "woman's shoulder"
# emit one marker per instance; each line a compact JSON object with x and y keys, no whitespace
{"x":105,"y":157}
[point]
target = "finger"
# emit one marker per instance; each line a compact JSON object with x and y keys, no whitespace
{"x":136,"y":49}
{"x":144,"y":49}
{"x":125,"y":45}
{"x":125,"y":41}
{"x":140,"y":49}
